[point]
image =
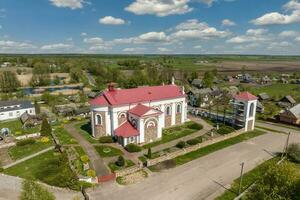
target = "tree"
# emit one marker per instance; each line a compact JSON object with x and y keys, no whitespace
{"x":34,"y":191}
{"x":46,"y":128}
{"x":149,"y":155}
{"x":208,"y":79}
{"x":37,"y":107}
{"x":121,"y":161}
{"x":280,"y":182}
{"x":293,"y":152}
{"x":9,"y":82}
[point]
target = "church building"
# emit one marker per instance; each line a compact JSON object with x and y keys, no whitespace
{"x":138,"y":115}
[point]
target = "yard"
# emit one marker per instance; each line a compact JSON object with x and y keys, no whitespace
{"x":63,"y":136}
{"x":50,"y":167}
{"x":113,"y":167}
{"x":176,"y":132}
{"x":18,"y":152}
{"x":108,"y":151}
{"x":16,"y":128}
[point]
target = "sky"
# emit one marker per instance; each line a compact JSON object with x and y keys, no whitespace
{"x":150,"y":26}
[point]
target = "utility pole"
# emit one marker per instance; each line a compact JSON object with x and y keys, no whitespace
{"x":241,"y":177}
{"x":286,"y":145}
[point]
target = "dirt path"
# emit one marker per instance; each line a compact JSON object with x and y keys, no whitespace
{"x":97,"y":163}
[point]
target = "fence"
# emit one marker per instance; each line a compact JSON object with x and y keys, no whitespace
{"x":169,"y":156}
{"x":128,"y":170}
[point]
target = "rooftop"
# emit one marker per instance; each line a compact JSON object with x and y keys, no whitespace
{"x":14,"y":105}
{"x":245,"y":96}
{"x":126,"y":130}
{"x":141,"y":110}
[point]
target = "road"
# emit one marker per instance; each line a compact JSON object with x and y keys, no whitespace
{"x":95,"y":160}
{"x":196,"y":180}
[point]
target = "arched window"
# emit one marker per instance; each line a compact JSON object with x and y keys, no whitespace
{"x":150,"y":124}
{"x":122,"y":115}
{"x":134,"y":123}
{"x":168,"y":110}
{"x":98,"y":120}
{"x":251,"y":113}
{"x":178,"y":108}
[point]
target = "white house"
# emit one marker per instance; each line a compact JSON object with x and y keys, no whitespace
{"x":14,"y":109}
{"x":138,"y":115}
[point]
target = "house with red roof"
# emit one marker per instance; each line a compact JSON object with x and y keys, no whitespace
{"x":137,"y":115}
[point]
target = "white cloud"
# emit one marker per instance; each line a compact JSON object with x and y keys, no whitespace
{"x":109,"y":20}
{"x":134,"y":49}
{"x":153,"y":37}
{"x":279,"y":18}
{"x":198,"y":47}
{"x":193,"y":29}
{"x":163,"y":49}
{"x":59,"y":46}
{"x":83,"y":34}
{"x":227,"y":22}
{"x":13,"y":45}
{"x":298,"y":39}
{"x":93,"y":41}
{"x":73,"y":4}
{"x":256,"y":32}
{"x":278,"y":45}
{"x":286,"y":34}
{"x":159,"y":8}
{"x":252,"y":35}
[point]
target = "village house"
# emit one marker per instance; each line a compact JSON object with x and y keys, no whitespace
{"x":197,"y":83}
{"x":263,"y":96}
{"x":203,"y":97}
{"x":14,"y":109}
{"x":265,"y":80}
{"x":291,"y":116}
{"x":287,"y":102}
{"x":137,"y":115}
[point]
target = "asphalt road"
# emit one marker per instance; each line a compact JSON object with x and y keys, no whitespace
{"x":199,"y":179}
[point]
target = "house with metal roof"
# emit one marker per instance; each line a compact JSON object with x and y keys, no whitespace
{"x":14,"y":109}
{"x":137,"y":115}
{"x":291,"y":116}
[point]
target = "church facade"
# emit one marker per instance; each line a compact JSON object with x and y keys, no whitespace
{"x":137,"y":115}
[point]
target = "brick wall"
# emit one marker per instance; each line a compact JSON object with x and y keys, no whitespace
{"x":178,"y":118}
{"x":168,"y":120}
{"x":128,"y":170}
{"x":100,"y":130}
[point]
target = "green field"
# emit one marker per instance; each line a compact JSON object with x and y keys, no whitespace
{"x":63,"y":136}
{"x":84,"y":128}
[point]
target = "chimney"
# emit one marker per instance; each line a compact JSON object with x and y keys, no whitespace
{"x":173,"y":80}
{"x":111,"y":87}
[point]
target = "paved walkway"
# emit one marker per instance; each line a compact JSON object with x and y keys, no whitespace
{"x":206,"y":128}
{"x":28,"y":157}
{"x":277,"y":127}
{"x":198,"y":179}
{"x":97,"y":163}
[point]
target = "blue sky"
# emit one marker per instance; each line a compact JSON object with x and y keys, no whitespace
{"x":150,"y":26}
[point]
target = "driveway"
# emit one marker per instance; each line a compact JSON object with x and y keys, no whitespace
{"x":196,"y":180}
{"x":95,"y":160}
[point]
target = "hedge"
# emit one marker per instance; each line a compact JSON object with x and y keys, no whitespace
{"x":181,"y":144}
{"x":194,"y":126}
{"x":25,"y":142}
{"x":106,"y":139}
{"x":223,"y":130}
{"x":133,"y":148}
{"x":193,"y":141}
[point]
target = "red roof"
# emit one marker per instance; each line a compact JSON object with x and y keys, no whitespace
{"x":138,"y":95}
{"x":245,"y":96}
{"x":126,"y":130}
{"x":101,"y":100}
{"x":141,"y":110}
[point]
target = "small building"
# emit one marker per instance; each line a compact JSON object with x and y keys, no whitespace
{"x":265,"y":80}
{"x":197,"y":83}
{"x":287,"y":102}
{"x":260,"y":107}
{"x":84,"y":111}
{"x":6,"y":64}
{"x":30,"y":120}
{"x":247,"y":78}
{"x":14,"y":109}
{"x":200,"y":97}
{"x":263,"y":96}
{"x":291,"y":116}
{"x":65,"y":110}
{"x":283,"y":80}
{"x":229,"y":79}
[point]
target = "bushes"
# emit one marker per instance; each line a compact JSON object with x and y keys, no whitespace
{"x":85,"y":159}
{"x":91,"y":173}
{"x":181,"y":144}
{"x":121,"y":161}
{"x":194,"y":126}
{"x":133,"y":148}
{"x":294,"y":152}
{"x":223,"y":130}
{"x":25,"y":142}
{"x":194,"y":141}
{"x":106,"y":139}
{"x":34,"y":191}
{"x":149,"y":154}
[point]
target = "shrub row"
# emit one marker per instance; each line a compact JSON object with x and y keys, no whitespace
{"x":194,"y":126}
{"x":133,"y":148}
{"x":25,"y":142}
{"x":223,"y":130}
{"x":106,"y":139}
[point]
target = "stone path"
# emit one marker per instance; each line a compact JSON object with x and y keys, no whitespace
{"x":97,"y":163}
{"x":28,"y":157}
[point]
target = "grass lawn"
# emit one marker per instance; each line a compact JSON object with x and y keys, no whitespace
{"x":176,"y":132}
{"x":113,"y":167}
{"x":278,"y":90}
{"x":108,"y":151}
{"x":80,"y":151}
{"x":269,"y":129}
{"x":16,"y":128}
{"x":84,"y":127}
{"x":217,"y":146}
{"x":63,"y":136}
{"x":18,"y":152}
{"x":50,"y":167}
